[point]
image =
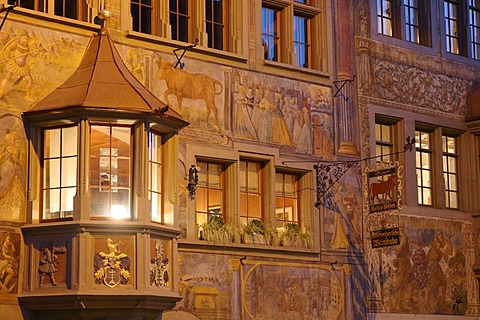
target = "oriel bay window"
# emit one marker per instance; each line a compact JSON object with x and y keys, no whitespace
{"x":90,"y":167}
{"x":59,"y":172}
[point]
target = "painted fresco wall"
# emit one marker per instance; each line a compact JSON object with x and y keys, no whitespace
{"x":241,"y":104}
{"x":427,"y":273}
{"x":431,"y":271}
{"x":221,"y":287}
{"x":33,"y":61}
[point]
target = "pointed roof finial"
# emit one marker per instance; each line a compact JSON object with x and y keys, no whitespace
{"x":104,"y":15}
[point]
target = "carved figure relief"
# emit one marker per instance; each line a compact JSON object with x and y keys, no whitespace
{"x":48,"y":267}
{"x":9,"y":259}
{"x":113,"y":267}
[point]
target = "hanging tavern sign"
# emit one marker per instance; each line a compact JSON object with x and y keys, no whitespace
{"x":382,"y":185}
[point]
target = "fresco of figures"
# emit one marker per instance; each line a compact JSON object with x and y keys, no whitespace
{"x":33,"y":62}
{"x":342,"y":214}
{"x":244,"y":105}
{"x":427,"y":272}
{"x":277,"y":291}
{"x":206,"y":287}
{"x":13,"y":151}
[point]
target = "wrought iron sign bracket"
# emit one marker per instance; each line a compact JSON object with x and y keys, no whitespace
{"x":7,"y":9}
{"x":327,"y":174}
{"x":179,"y":58}
{"x":339,"y":89}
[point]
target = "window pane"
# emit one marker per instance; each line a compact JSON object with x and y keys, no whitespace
{"x":250,"y":195}
{"x":59,"y":172}
{"x":215,"y":26}
{"x":52,"y":143}
{"x":384,"y":17}
{"x":301,"y":42}
{"x":52,"y":174}
{"x":210,"y":192}
{"x":67,"y":195}
{"x":51,"y":204}
{"x":69,"y":171}
{"x":179,"y":19}
{"x":110,"y":171}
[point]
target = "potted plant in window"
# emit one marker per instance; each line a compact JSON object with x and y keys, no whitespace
{"x":292,"y":235}
{"x":256,"y":232}
{"x":216,"y":230}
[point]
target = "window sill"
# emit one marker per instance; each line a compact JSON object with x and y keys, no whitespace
{"x":461,"y":59}
{"x":178,"y":44}
{"x":61,"y":21}
{"x":289,"y":67}
{"x":250,"y":249}
{"x":431,"y":50}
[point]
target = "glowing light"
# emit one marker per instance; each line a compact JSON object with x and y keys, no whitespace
{"x":119,"y":212}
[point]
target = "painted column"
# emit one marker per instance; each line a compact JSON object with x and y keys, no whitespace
{"x":344,"y":97}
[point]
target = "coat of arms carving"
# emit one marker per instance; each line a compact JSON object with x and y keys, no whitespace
{"x":159,"y":267}
{"x":112,"y":268}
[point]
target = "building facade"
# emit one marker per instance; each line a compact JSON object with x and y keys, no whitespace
{"x":289,"y":159}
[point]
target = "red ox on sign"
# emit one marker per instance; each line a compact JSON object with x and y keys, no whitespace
{"x":384,"y":188}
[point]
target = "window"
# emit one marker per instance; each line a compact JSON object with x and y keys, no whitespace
{"x":73,"y":9}
{"x":179,"y":19}
{"x":155,"y":175}
{"x":110,"y":171}
{"x":450,"y":160}
{"x":215,"y":23}
{"x":383,"y":142}
{"x":474,"y":21}
{"x":270,"y":34}
{"x":384,"y":17}
{"x":142,"y":11}
{"x":59,"y":172}
{"x":207,"y":21}
{"x":407,"y":19}
{"x":462,"y":26}
{"x":451,"y":27}
{"x":301,"y":41}
{"x":412,"y":26}
{"x":251,"y":197}
{"x":286,"y":199}
{"x":210,"y":191}
{"x":304,"y":22}
{"x":423,"y":154}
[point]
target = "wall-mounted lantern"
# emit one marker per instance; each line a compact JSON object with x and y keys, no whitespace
{"x":192,"y":181}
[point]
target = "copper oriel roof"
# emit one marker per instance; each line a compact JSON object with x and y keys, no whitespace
{"x":102,"y":81}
